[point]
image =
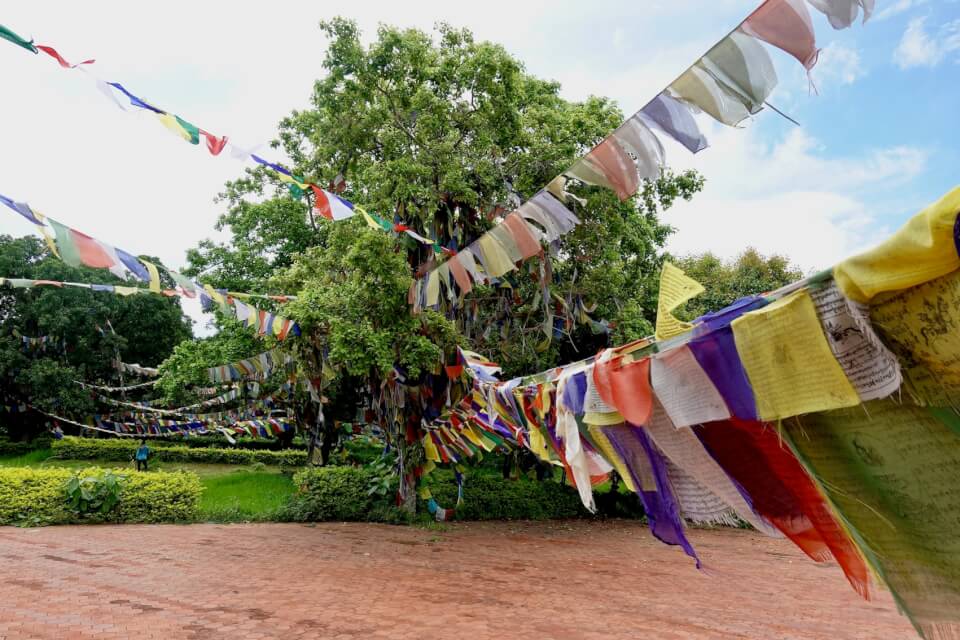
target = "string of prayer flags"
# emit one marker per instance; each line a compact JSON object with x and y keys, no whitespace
{"x":76,"y":249}
{"x":675,"y":289}
{"x":265,"y":323}
{"x":496,"y":252}
{"x":867,"y":486}
{"x":260,"y":366}
{"x":149,"y":372}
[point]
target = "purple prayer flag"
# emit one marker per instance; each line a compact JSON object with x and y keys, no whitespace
{"x":135,"y":101}
{"x":574,"y":392}
{"x":662,"y":509}
{"x":674,"y":118}
{"x":135,"y":266}
{"x":722,"y":318}
{"x":22,"y":208}
{"x":716,"y":352}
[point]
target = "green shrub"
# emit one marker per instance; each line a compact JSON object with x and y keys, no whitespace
{"x":121,"y":450}
{"x":219,"y":442}
{"x":39,"y":496}
{"x":18,"y":448}
{"x":343,"y":493}
{"x":489,"y":497}
{"x":93,"y":494}
{"x":337,"y":493}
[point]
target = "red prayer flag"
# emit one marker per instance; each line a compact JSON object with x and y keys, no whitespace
{"x":785,"y":24}
{"x":50,"y":51}
{"x":214,"y":144}
{"x":321,"y":204}
{"x":90,"y":252}
{"x":626,"y":388}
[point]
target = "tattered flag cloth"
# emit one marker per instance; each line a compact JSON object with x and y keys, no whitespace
{"x":779,"y":490}
{"x":7,"y":34}
{"x":891,"y":472}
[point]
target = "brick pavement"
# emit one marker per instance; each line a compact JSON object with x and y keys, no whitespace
{"x":473,"y":581}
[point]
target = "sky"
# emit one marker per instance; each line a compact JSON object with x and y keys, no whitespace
{"x":877,"y":139}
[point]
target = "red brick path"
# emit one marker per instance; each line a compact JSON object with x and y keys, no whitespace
{"x":473,"y":581}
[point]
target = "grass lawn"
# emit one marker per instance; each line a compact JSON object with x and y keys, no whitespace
{"x":232,"y":493}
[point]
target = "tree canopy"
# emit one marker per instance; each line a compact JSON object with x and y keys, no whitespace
{"x":88,"y":330}
{"x":728,"y":280}
{"x":443,"y":133}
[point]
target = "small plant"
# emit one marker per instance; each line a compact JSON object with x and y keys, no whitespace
{"x":258,"y":466}
{"x":93,"y":494}
{"x":382,"y":476}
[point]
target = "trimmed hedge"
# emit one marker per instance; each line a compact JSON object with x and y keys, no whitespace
{"x":18,"y":448}
{"x":121,"y":450}
{"x":489,"y":497}
{"x":341,"y":494}
{"x":219,"y":442}
{"x":38,"y":496}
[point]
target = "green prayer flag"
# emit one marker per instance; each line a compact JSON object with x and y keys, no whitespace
{"x":295,"y":191}
{"x":191,"y":129}
{"x":6,"y":34}
{"x":893,"y":472}
{"x":65,"y":245}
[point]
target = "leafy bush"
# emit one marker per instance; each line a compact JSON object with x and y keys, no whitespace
{"x":72,"y":448}
{"x":93,"y":494}
{"x":489,"y":497}
{"x":18,"y":448}
{"x":219,"y":442}
{"x":337,"y":493}
{"x":344,"y":493}
{"x":39,"y":496}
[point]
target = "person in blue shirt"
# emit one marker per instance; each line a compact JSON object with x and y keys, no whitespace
{"x":143,"y":452}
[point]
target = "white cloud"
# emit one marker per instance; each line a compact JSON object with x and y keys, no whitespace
{"x":789,"y":197}
{"x":898,"y":7}
{"x":838,"y":65}
{"x":919,"y":48}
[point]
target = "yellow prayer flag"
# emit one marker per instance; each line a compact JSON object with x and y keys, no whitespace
{"x":675,"y":289}
{"x":170,"y":122}
{"x":608,"y":453}
{"x":920,"y":325}
{"x":368,"y":219}
{"x":126,"y":291}
{"x":788,"y":360}
{"x":154,"y":275}
{"x":433,"y":289}
{"x":430,"y":449}
{"x":921,"y":250}
{"x":495,"y":257}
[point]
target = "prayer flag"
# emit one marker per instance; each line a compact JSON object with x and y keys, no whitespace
{"x":76,"y":248}
{"x":675,"y":289}
{"x":921,"y":250}
{"x":50,"y":51}
{"x":9,"y":35}
{"x":785,"y":24}
{"x":330,"y":205}
{"x":788,"y":361}
{"x":674,"y":118}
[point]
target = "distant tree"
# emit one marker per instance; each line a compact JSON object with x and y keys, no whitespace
{"x":726,"y":281}
{"x":443,"y":133}
{"x":145,"y":328}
